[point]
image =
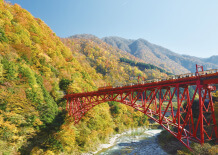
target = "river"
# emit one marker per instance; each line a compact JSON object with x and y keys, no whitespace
{"x":137,"y":141}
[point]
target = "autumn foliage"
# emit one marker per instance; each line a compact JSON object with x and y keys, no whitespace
{"x":37,"y":68}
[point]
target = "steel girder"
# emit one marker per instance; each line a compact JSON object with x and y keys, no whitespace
{"x":169,"y":103}
{"x":165,"y":105}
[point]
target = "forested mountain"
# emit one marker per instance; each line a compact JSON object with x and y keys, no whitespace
{"x":107,"y":60}
{"x":161,"y":56}
{"x":34,"y":67}
{"x":37,"y":69}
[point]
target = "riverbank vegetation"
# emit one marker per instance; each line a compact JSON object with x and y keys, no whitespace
{"x":172,"y":146}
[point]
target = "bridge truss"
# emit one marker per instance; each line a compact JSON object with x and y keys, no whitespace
{"x":171,"y":103}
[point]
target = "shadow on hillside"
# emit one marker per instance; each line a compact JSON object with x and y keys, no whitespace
{"x":44,"y":139}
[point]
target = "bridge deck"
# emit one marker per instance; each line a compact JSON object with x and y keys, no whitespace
{"x":204,"y":79}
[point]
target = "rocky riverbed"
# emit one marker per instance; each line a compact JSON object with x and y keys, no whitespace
{"x":132,"y":142}
{"x":148,"y":146}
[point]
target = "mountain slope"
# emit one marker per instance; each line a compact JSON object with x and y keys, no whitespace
{"x":106,"y":60}
{"x":160,"y":56}
{"x":36,"y":70}
{"x":212,"y":59}
{"x":34,"y":66}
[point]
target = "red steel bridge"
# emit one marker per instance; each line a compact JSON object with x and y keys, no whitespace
{"x":168,"y":102}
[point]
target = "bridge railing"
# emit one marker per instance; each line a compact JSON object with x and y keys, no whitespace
{"x":211,"y":71}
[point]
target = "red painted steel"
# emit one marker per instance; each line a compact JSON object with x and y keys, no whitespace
{"x":169,"y":103}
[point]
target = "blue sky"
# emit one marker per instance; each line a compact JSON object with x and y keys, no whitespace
{"x":183,"y":26}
